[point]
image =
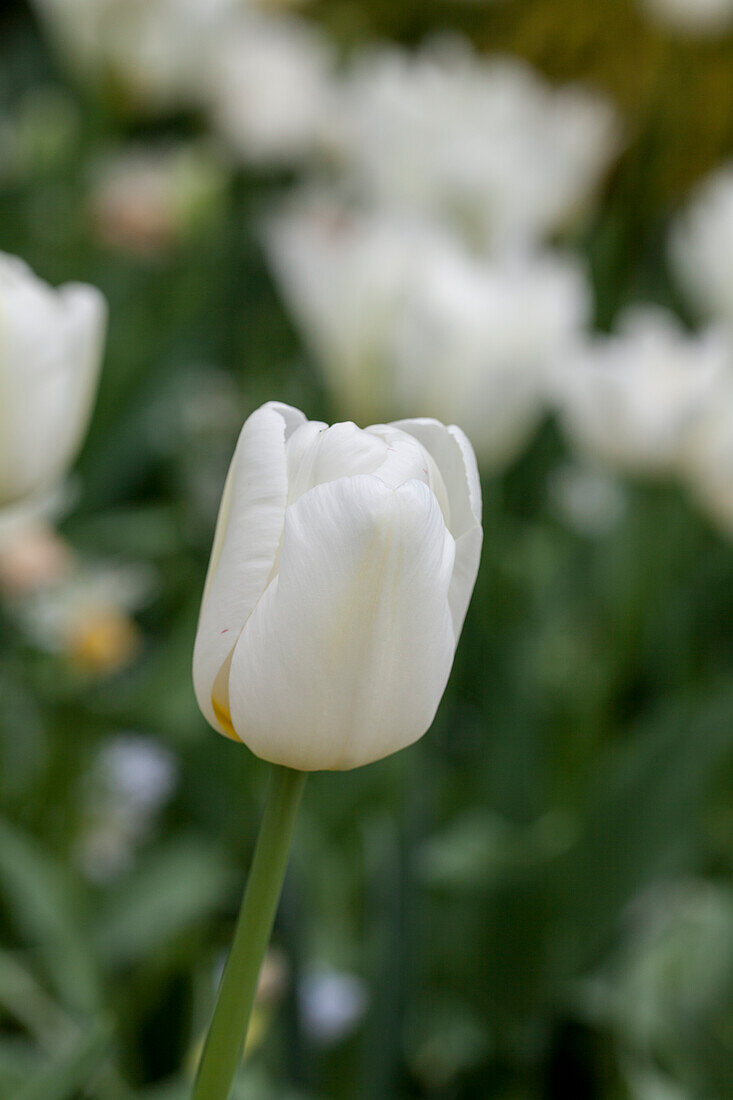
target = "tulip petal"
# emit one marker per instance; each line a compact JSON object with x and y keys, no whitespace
{"x":317,"y":454}
{"x":246,"y":542}
{"x":407,"y":458}
{"x":346,"y":656}
{"x":454,"y":457}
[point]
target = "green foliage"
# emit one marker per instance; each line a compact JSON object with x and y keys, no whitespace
{"x":480,"y":883}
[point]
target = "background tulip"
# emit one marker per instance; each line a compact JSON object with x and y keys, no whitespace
{"x":342,"y":567}
{"x":50,"y":352}
{"x":400,"y":314}
{"x":632,"y":401}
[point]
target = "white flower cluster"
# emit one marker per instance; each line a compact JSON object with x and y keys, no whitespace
{"x":466,"y":139}
{"x":420,"y":258}
{"x":262,"y":77}
{"x":654,"y":399}
{"x":422,"y":277}
{"x":403,"y":317}
{"x":414,"y":288}
{"x":428,"y":280}
{"x":152,"y":51}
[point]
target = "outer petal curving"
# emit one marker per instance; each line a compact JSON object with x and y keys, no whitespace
{"x":454,"y":457}
{"x":246,"y":542}
{"x":347,"y":654}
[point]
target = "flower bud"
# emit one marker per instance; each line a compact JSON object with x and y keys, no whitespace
{"x":342,"y":567}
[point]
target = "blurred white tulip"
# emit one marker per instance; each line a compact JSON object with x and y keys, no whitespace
{"x":401,"y":316}
{"x":340,"y":575}
{"x":475,"y":341}
{"x":484,"y":144}
{"x":631,"y":400}
{"x":707,"y":461}
{"x":160,"y":55}
{"x":701,"y":247}
{"x":153,"y":52}
{"x":268,"y":88}
{"x":344,"y":276}
{"x":693,"y":17}
{"x":51,"y":344}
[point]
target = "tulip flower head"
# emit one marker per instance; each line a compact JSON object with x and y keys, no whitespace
{"x":341,"y":571}
{"x":483,"y":145}
{"x":633,"y":401}
{"x":51,"y":345}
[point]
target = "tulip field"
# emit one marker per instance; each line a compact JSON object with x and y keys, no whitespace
{"x":366,"y":438}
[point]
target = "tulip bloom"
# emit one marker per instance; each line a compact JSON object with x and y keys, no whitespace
{"x":51,"y":345}
{"x":342,"y":567}
{"x":400,"y":314}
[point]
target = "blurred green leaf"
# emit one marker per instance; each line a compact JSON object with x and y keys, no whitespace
{"x":641,"y":814}
{"x":48,"y":915}
{"x":479,"y":849}
{"x":179,"y":885}
{"x":18,"y":1060}
{"x":177,"y":1090}
{"x":62,"y":1079}
{"x":25,"y":1000}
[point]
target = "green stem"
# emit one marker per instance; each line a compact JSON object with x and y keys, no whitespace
{"x":225,"y":1041}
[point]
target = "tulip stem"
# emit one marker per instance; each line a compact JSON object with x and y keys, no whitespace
{"x":225,"y":1042}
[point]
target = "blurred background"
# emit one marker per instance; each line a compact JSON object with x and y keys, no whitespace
{"x":512,"y":214}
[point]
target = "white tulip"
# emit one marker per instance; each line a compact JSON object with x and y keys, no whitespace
{"x":155,"y":51}
{"x":631,"y":401}
{"x":166,"y":54}
{"x":51,"y":344}
{"x":476,"y":338}
{"x":341,"y":571}
{"x":401,"y":315}
{"x":484,"y":144}
{"x":345,"y":276}
{"x":268,"y":88}
{"x":701,"y":247}
{"x":707,"y":461}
